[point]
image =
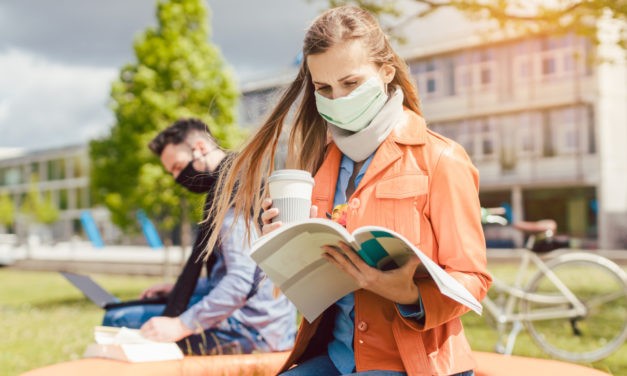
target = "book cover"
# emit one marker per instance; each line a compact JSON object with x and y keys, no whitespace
{"x":129,"y":345}
{"x":291,"y":256}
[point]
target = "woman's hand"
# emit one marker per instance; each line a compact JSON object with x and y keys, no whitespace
{"x":396,"y":285}
{"x":269,"y":213}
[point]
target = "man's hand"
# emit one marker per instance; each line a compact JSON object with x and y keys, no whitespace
{"x":165,"y":329}
{"x":161,"y":289}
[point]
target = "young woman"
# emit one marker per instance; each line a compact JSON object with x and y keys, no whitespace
{"x":358,"y":129}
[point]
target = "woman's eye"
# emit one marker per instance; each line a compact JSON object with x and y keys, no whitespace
{"x":350,"y":83}
{"x":324,"y":89}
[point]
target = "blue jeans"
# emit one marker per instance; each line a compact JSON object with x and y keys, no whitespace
{"x":131,"y":316}
{"x":135,"y":316}
{"x":322,"y":365}
{"x":229,"y":337}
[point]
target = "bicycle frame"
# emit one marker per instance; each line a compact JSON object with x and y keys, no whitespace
{"x":506,"y":312}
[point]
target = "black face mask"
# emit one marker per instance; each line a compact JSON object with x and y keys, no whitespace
{"x":197,"y":181}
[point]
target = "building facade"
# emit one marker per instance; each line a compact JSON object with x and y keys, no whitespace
{"x":544,"y":119}
{"x":60,"y":175}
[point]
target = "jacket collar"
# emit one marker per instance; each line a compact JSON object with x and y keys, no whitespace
{"x":410,"y":132}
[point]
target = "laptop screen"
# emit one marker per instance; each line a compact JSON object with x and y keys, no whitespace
{"x":91,"y":289}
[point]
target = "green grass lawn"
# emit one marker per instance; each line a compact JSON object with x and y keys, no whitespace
{"x":45,"y":320}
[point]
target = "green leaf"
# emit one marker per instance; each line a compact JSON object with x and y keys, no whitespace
{"x":178,"y":73}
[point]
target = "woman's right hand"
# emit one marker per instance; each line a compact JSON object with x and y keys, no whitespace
{"x":266,"y":217}
{"x":269,"y":212}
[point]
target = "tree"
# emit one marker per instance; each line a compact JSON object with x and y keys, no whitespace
{"x":178,"y":74}
{"x":7,"y":210}
{"x":521,"y":16}
{"x":39,"y":209}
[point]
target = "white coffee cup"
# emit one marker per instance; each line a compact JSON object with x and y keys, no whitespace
{"x":290,"y":191}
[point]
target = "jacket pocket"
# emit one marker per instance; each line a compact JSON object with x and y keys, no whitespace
{"x":400,"y":200}
{"x":403,"y":186}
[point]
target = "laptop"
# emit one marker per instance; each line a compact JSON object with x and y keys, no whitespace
{"x":103,"y":298}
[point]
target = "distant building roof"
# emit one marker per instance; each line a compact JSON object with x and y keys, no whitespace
{"x":6,"y":153}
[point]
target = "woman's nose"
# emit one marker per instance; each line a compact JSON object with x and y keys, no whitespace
{"x":339,"y":93}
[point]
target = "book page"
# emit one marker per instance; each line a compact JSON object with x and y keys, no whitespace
{"x":390,"y":243}
{"x":129,"y":345}
{"x":296,"y":255}
{"x":292,"y":258}
{"x":107,"y":335}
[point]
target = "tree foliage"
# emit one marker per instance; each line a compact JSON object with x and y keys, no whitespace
{"x":7,"y":210}
{"x":38,"y":208}
{"x":178,"y":74}
{"x":521,"y":16}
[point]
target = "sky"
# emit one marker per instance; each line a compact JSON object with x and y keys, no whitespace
{"x":58,"y":58}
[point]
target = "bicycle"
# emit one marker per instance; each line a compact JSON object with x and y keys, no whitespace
{"x":574,"y":306}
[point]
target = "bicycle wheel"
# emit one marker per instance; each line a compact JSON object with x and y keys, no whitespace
{"x":601,"y":286}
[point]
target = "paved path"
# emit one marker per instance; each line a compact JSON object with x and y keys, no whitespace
{"x":82,"y":257}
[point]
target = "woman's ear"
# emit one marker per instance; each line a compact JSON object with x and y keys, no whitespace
{"x":387,"y":73}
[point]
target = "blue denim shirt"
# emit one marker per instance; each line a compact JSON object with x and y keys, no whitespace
{"x":228,"y":286}
{"x":341,"y":346}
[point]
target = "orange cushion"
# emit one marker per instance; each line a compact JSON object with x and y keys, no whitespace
{"x":489,"y":364}
{"x":227,"y":365}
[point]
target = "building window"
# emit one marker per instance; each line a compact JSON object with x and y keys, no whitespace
{"x":487,"y":134}
{"x":447,"y":129}
{"x":549,"y":58}
{"x":475,"y":71}
{"x":548,"y":66}
{"x":83,"y":198}
{"x":570,"y":127}
{"x":12,"y":176}
{"x":479,"y":137}
{"x":430,"y":78}
{"x":529,"y":134}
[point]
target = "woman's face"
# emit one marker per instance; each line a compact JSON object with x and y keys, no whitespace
{"x":343,"y":67}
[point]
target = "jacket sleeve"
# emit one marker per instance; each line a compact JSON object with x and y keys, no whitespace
{"x":454,"y":213}
{"x":231,"y":292}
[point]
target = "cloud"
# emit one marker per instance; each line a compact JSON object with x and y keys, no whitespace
{"x":262,"y":35}
{"x":77,"y":32}
{"x":62,"y":55}
{"x":45,"y":104}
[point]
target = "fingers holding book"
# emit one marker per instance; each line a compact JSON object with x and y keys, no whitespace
{"x":396,"y":285}
{"x":345,"y":257}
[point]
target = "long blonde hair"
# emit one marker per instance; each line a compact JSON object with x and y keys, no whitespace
{"x":247,"y":171}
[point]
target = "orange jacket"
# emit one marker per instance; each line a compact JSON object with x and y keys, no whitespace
{"x":425,"y":187}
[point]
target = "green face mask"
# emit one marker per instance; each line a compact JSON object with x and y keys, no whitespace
{"x":356,"y":110}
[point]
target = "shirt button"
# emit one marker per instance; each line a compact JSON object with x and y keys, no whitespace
{"x":354,"y":204}
{"x":361,"y":341}
{"x":362,"y":326}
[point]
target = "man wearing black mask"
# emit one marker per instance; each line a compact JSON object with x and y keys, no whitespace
{"x":231,"y":310}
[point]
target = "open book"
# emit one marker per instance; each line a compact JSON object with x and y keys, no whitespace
{"x":129,"y":345}
{"x":292,"y":258}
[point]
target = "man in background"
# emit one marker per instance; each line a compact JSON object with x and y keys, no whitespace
{"x":230,"y":310}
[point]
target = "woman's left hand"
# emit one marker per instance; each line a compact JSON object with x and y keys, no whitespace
{"x":396,"y":285}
